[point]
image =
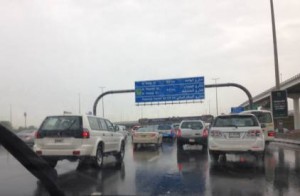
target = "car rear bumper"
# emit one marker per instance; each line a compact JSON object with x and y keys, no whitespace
{"x":236,"y":146}
{"x":85,"y":150}
{"x":145,"y":141}
{"x":198,"y":140}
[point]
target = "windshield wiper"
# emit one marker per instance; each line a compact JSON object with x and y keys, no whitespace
{"x":31,"y":161}
{"x":70,"y":125}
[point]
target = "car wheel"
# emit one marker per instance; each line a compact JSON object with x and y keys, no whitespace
{"x":214,"y":156}
{"x":120,"y":155}
{"x":98,"y":162}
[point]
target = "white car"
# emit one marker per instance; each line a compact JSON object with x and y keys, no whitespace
{"x":73,"y":137}
{"x":192,"y":132}
{"x":147,"y":135}
{"x":266,"y":120}
{"x":236,"y":133}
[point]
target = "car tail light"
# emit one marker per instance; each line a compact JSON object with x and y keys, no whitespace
{"x":205,"y":133}
{"x":38,"y":152}
{"x":153,"y":134}
{"x":37,"y":135}
{"x":85,"y":134}
{"x":76,"y":152}
{"x":271,"y":133}
{"x":179,"y":133}
{"x":254,"y":133}
{"x":216,"y":133}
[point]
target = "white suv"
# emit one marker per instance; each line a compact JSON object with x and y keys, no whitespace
{"x":236,"y":134}
{"x":73,"y":137}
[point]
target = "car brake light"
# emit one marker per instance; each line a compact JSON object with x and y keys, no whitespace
{"x":38,"y":152}
{"x":85,"y":133}
{"x":179,"y":133}
{"x":152,"y":134}
{"x":271,"y":133}
{"x":205,"y":133}
{"x":37,"y":135}
{"x":254,"y":133}
{"x":76,"y":152}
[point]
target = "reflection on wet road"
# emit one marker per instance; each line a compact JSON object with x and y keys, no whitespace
{"x":147,"y":171}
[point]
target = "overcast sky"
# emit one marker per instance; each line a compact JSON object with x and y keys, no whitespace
{"x":53,"y":50}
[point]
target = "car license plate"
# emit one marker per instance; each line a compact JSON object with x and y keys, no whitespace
{"x":58,"y":140}
{"x":192,"y":140}
{"x":234,"y":135}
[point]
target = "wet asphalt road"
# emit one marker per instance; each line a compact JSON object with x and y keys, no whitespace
{"x":166,"y":171}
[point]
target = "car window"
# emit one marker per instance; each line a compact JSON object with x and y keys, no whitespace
{"x":102,"y":123}
{"x":235,"y":121}
{"x":110,"y":126}
{"x":192,"y":125}
{"x":93,"y":123}
{"x":263,"y":117}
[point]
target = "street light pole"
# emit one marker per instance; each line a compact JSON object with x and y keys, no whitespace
{"x":79,"y":104}
{"x":102,"y":87}
{"x":275,"y":47}
{"x":215,"y":79}
{"x":25,"y":116}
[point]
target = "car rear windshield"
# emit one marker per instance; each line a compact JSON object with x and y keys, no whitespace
{"x":147,"y":129}
{"x":235,"y":121}
{"x":164,"y":127}
{"x":192,"y":125}
{"x":64,"y":125}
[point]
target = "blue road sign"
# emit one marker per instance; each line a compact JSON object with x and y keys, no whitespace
{"x":169,"y":90}
{"x":236,"y":110}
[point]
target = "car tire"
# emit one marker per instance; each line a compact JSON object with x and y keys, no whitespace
{"x":98,"y":160}
{"x":214,"y":156}
{"x":120,"y":155}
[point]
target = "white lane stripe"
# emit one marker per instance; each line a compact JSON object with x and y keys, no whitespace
{"x":153,"y":159}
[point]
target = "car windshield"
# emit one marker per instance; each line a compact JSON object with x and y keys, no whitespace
{"x":235,"y":121}
{"x":192,"y":125}
{"x":144,"y":97}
